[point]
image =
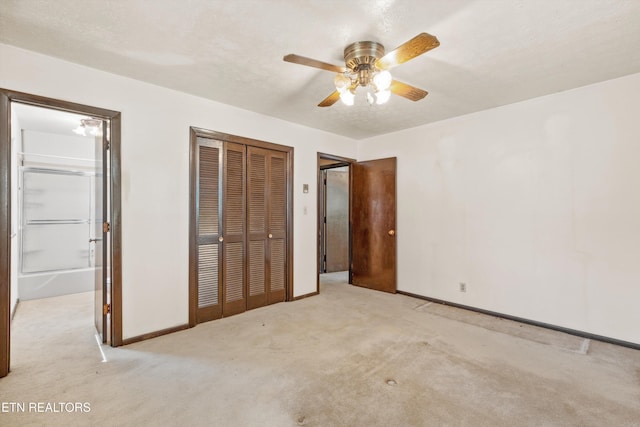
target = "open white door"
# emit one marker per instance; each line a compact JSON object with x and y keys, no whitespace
{"x":101,"y":233}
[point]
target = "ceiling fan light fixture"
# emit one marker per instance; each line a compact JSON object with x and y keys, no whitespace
{"x":366,"y":64}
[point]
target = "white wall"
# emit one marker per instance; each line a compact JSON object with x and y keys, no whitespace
{"x":535,"y":206}
{"x":155,"y":176}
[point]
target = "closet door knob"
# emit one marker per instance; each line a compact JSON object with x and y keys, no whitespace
{"x":270,"y":235}
{"x":220,"y":239}
{"x":391,"y":232}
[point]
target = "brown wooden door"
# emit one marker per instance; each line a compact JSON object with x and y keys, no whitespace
{"x":239,"y":230}
{"x":266,"y":222}
{"x":373,"y":216}
{"x":233,"y":218}
{"x":208,"y":229}
{"x":277,"y":237}
{"x":257,"y":196}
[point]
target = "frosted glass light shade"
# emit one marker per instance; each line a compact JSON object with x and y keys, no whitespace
{"x":347,"y":97}
{"x":342,"y":82}
{"x":382,"y":80}
{"x":382,"y":96}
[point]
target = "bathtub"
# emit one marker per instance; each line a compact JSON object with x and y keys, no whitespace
{"x":55,"y":283}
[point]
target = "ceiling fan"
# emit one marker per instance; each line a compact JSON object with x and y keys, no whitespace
{"x":367,"y":65}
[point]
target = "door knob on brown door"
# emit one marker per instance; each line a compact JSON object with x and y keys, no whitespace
{"x":391,"y":232}
{"x":220,"y":239}
{"x":270,"y":235}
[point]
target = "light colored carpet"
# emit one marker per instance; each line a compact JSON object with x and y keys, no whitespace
{"x":348,"y":357}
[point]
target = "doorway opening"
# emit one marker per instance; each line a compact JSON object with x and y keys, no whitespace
{"x":371,"y":231}
{"x":334,"y":231}
{"x":59,"y":223}
{"x":53,"y":194}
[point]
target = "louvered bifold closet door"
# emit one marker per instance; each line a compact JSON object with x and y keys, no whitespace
{"x":233,"y":252}
{"x":277,"y":226}
{"x":209,"y":284}
{"x":257,"y":227}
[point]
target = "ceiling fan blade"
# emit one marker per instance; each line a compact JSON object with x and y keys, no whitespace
{"x":407,"y":91}
{"x":297,"y":59}
{"x":330,"y":100}
{"x":418,"y":45}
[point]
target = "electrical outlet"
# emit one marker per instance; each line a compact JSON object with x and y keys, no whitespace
{"x":463,"y":287}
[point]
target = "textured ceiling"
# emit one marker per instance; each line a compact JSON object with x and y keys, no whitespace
{"x":492,"y":52}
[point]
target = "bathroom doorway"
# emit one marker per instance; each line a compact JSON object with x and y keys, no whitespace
{"x":60,"y":216}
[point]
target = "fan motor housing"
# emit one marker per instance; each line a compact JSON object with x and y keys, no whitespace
{"x":362,"y":55}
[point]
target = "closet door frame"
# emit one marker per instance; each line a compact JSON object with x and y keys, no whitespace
{"x":196,"y":132}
